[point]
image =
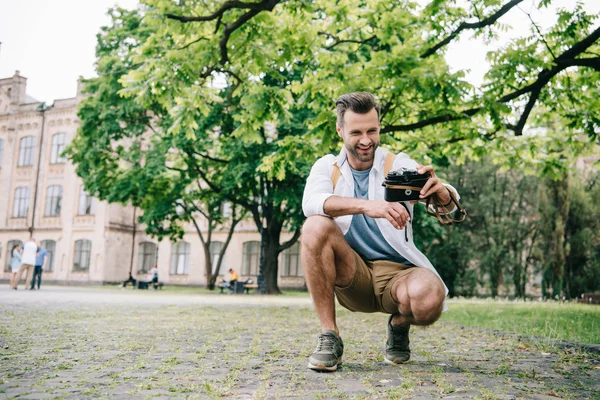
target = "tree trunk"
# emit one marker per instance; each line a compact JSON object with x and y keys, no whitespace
{"x":210,"y":279}
{"x":269,"y":258}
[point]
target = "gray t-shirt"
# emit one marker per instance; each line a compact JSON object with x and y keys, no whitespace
{"x":364,"y":235}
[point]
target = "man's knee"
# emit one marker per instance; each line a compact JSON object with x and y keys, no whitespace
{"x":426,"y":298}
{"x":316,"y":231}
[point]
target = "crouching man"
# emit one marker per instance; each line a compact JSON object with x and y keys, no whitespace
{"x":360,"y":247}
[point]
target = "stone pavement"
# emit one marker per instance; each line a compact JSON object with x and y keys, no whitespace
{"x":64,"y":342}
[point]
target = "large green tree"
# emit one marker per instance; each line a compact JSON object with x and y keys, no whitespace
{"x":124,"y":155}
{"x":251,"y":84}
{"x":396,"y":50}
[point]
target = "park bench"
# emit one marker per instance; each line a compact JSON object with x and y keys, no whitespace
{"x":589,"y":298}
{"x":248,"y":286}
{"x":240,"y":287}
{"x":146,"y":285}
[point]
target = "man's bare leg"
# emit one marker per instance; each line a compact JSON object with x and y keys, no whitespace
{"x":420,"y":300}
{"x":328,"y":261}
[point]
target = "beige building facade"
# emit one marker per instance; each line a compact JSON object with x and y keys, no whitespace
{"x":91,"y":241}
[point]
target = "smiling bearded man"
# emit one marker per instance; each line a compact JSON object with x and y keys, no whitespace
{"x":357,"y":246}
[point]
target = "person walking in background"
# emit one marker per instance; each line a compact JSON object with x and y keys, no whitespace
{"x":27,"y":263}
{"x":154,"y":272}
{"x":40,"y":263}
{"x":15,"y":264}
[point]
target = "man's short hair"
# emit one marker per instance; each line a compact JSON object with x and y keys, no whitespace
{"x":359,"y":102}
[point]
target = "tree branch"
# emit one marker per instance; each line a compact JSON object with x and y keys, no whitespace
{"x":290,"y":242}
{"x":228,"y":5}
{"x":562,"y":62}
{"x":472,"y":25}
{"x":340,"y":41}
{"x":255,"y":8}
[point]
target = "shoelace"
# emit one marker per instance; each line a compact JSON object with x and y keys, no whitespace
{"x":326,"y":342}
{"x":400,"y":339}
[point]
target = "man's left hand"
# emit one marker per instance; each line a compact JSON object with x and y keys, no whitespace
{"x":433,"y":185}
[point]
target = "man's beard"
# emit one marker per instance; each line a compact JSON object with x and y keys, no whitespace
{"x":362,"y":157}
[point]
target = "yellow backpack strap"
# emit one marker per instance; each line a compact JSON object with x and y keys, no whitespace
{"x":389,"y":163}
{"x":336,"y":172}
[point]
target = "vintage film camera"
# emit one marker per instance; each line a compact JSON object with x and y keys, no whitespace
{"x":404,"y":184}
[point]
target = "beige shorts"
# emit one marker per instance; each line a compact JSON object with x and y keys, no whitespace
{"x":371,"y":288}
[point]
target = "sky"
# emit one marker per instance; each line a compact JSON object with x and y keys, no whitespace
{"x":52,"y":42}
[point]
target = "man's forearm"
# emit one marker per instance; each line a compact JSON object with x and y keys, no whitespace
{"x":336,"y":206}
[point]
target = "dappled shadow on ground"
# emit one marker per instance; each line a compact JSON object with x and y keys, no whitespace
{"x":132,"y":349}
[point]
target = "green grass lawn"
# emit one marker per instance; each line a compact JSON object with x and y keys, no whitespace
{"x":565,"y":321}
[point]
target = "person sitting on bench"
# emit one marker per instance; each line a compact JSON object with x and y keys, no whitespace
{"x":130,"y":279}
{"x":233,"y":278}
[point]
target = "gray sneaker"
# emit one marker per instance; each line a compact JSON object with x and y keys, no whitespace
{"x":397,"y":350}
{"x":328,"y":354}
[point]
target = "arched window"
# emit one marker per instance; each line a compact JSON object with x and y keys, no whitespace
{"x":83,"y":252}
{"x":1,"y":151}
{"x":147,"y":256}
{"x":9,"y":253}
{"x":215,"y":250}
{"x":26,"y":151}
{"x":54,"y":200}
{"x":251,"y":258}
{"x":58,"y":145}
{"x":21,"y":203}
{"x":180,"y":258}
{"x":50,"y":246}
{"x":290,"y":261}
{"x":87,"y":203}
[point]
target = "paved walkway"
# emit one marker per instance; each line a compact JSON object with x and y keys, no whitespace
{"x":96,"y":342}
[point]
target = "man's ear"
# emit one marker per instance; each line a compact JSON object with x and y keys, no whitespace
{"x":338,"y":129}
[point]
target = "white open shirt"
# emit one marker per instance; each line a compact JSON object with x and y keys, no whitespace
{"x":319,"y":188}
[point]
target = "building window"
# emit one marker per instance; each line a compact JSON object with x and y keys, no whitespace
{"x":21,"y":204}
{"x":26,"y":150}
{"x":58,"y":145}
{"x":83,"y":252}
{"x":50,"y":246}
{"x":250,"y":258}
{"x":87,"y":203}
{"x":180,"y":258}
{"x":9,"y":253}
{"x":53,"y":200}
{"x":1,"y":151}
{"x":147,"y":256}
{"x":215,"y":250}
{"x":290,"y":261}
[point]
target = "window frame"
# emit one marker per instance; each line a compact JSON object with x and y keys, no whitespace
{"x":79,"y":253}
{"x":1,"y":152}
{"x":89,"y":202}
{"x":251,"y":252}
{"x":214,"y":251}
{"x":53,"y":201}
{"x":21,"y":202}
{"x":144,"y":256}
{"x":177,"y":250}
{"x":26,"y":151}
{"x":58,"y":145}
{"x":287,"y":262}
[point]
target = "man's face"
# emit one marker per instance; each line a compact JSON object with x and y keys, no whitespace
{"x":360,"y":133}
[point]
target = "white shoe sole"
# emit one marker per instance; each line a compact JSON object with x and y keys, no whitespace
{"x":388,"y":361}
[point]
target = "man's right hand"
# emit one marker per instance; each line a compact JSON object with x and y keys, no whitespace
{"x":393,"y":212}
